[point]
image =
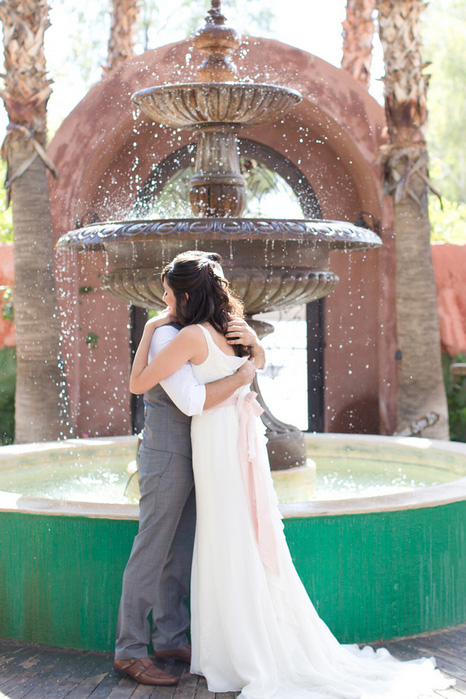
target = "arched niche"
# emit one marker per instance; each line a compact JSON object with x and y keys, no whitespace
{"x":105,"y":152}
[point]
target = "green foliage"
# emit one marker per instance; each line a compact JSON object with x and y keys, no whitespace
{"x":259,"y":179}
{"x":92,"y":340}
{"x":444,"y":41}
{"x":173,"y":199}
{"x":266,"y":193}
{"x":6,"y":226}
{"x":7,"y":394}
{"x":448,"y":225}
{"x":456,"y":397}
{"x":7,"y":303}
{"x":6,"y":221}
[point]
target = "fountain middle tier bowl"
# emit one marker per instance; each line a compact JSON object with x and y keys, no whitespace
{"x":314,"y":233}
{"x":197,"y":104}
{"x":376,"y":566}
{"x":256,"y":255}
{"x":259,"y":289}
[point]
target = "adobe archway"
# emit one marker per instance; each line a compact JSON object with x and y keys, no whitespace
{"x":105,"y":153}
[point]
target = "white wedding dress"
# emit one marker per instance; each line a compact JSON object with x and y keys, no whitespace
{"x":253,"y":626}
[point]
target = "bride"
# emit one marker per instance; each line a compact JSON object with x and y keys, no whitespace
{"x":253,"y":627}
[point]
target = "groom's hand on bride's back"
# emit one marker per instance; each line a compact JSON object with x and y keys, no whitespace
{"x":240,"y":333}
{"x":245,"y":374}
{"x":220,"y":390}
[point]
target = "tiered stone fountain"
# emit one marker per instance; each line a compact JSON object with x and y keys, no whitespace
{"x":271,"y":264}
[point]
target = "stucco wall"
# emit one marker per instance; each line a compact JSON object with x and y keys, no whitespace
{"x":449,"y":268}
{"x":7,"y":328}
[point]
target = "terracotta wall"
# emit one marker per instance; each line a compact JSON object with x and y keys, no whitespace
{"x":450,"y":276}
{"x":7,"y":328}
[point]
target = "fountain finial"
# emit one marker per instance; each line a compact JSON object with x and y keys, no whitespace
{"x":217,"y":106}
{"x":218,"y":42}
{"x":215,"y":13}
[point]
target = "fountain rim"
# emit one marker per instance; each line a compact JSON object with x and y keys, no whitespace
{"x":215,"y":86}
{"x":336,"y":234}
{"x":430,"y":496}
{"x":205,"y":108}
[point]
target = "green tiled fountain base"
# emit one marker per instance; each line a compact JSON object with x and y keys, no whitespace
{"x":371,"y":576}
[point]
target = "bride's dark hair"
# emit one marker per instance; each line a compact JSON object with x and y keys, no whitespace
{"x":202,"y":293}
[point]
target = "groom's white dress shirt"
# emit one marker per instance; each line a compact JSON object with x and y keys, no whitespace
{"x":183,"y":389}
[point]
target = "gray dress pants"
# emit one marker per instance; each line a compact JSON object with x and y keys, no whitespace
{"x":157,"y":575}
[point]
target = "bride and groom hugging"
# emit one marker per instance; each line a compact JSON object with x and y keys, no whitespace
{"x":158,"y":572}
{"x":253,"y":627}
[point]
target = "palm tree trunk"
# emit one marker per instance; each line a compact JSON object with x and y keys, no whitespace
{"x":40,"y":387}
{"x":420,"y":382}
{"x":122,"y":32}
{"x":358,"y":32}
{"x":41,"y":405}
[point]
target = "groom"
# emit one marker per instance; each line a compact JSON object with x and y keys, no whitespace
{"x":157,"y":575}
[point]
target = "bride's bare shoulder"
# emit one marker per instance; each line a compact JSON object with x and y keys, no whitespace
{"x":192,"y":339}
{"x":191,"y":333}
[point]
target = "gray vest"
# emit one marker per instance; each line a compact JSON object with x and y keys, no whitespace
{"x":166,"y":428}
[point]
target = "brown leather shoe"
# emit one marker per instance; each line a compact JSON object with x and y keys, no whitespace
{"x":144,"y":670}
{"x":183,"y":654}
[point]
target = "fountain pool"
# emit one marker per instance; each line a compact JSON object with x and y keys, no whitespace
{"x":381,"y":562}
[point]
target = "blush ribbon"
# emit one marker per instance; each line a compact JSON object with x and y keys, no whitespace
{"x":259,"y":504}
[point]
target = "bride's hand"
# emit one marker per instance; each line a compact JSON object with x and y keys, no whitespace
{"x":240,"y":333}
{"x":164,"y":318}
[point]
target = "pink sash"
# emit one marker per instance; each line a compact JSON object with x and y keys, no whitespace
{"x":254,"y":479}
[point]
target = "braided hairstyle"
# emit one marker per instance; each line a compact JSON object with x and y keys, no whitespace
{"x":202,"y":293}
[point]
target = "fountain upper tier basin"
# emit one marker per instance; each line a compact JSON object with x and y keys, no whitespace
{"x":195,"y":104}
{"x":256,"y":255}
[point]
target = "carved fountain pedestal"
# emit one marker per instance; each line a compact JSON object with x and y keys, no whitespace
{"x":271,"y":264}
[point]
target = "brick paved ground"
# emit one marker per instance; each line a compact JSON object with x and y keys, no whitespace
{"x":30,"y":671}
